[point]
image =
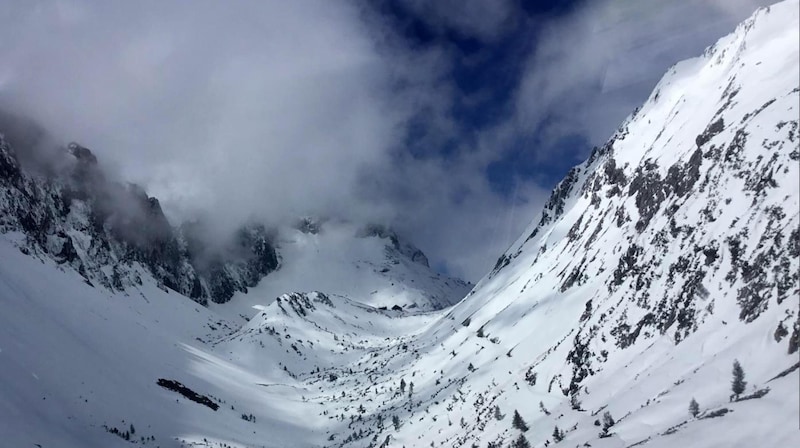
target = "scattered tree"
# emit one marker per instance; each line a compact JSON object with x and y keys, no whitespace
{"x":738,"y":383}
{"x":396,"y":422}
{"x":694,"y":408}
{"x":574,"y":402}
{"x":402,"y":385}
{"x":497,"y":414}
{"x":530,"y":377}
{"x":558,"y":435}
{"x":543,"y":409}
{"x":411,"y":389}
{"x":608,"y":422}
{"x":521,"y":442}
{"x":518,"y":422}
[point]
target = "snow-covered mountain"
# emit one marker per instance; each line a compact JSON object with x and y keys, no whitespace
{"x":666,"y":256}
{"x":369,"y":264}
{"x":112,"y":234}
{"x":669,"y":255}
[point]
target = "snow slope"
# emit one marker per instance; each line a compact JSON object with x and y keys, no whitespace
{"x":671,"y":252}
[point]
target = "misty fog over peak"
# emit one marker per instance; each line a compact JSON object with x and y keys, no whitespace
{"x":445,"y":122}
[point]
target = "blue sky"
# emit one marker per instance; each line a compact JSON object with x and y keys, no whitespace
{"x":486,"y":71}
{"x":449,"y":120}
{"x":504,"y":67}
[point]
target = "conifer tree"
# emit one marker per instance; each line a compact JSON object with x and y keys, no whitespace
{"x":521,"y":442}
{"x":608,"y":421}
{"x":738,"y":383}
{"x":694,"y":408}
{"x":558,"y":435}
{"x":518,"y":422}
{"x":574,"y":402}
{"x":497,"y":414}
{"x":543,"y":409}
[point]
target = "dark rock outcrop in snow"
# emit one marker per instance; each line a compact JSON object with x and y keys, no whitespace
{"x":111,"y":233}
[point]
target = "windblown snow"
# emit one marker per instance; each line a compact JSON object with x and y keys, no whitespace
{"x":670,"y":254}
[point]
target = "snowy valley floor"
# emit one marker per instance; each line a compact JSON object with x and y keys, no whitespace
{"x":80,"y":368}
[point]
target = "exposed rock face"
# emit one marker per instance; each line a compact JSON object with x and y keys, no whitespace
{"x":239,"y":265}
{"x":112,"y":233}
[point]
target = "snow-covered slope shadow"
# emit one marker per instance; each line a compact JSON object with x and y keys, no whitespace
{"x":81,"y":367}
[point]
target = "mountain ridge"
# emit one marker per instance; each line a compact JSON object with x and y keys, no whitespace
{"x":112,"y":233}
{"x":660,"y":264}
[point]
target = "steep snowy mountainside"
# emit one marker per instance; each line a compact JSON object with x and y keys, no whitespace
{"x":369,"y":264}
{"x":669,"y":254}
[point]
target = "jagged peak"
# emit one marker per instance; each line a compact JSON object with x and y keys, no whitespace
{"x":82,"y":154}
{"x":403,"y":247}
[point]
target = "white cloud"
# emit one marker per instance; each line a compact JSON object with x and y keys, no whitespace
{"x":270,"y":109}
{"x":276,"y":109}
{"x":590,"y":69}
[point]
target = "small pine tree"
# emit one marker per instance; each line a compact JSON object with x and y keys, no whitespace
{"x":518,"y":422}
{"x":558,"y":435}
{"x":521,"y":442}
{"x":738,"y":383}
{"x":396,"y":422}
{"x":574,"y":402}
{"x":402,"y":386}
{"x":694,"y":408}
{"x":411,"y":389}
{"x":543,"y":409}
{"x":132,"y":430}
{"x":608,"y":421}
{"x":497,"y":414}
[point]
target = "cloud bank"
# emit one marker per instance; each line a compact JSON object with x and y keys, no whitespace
{"x":273,"y":109}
